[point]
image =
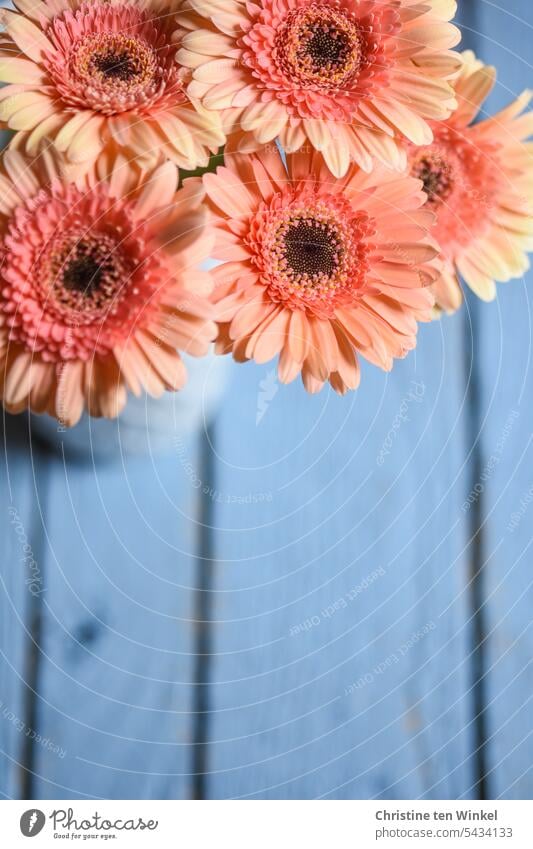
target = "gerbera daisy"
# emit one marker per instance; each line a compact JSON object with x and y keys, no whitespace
{"x":351,"y":77}
{"x":82,"y":73}
{"x":98,"y":285}
{"x":479,"y":183}
{"x":316,"y":269}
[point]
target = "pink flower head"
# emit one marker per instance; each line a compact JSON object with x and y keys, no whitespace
{"x":98,"y":284}
{"x":316,"y":269}
{"x":84,"y":73}
{"x":479,"y":182}
{"x":352,"y":77}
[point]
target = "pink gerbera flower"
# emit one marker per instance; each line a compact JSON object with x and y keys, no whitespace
{"x":479,"y":183}
{"x":98,"y":285}
{"x":352,"y":77}
{"x":315,"y":269}
{"x":82,"y":73}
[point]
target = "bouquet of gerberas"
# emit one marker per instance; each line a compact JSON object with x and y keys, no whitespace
{"x":355,"y":188}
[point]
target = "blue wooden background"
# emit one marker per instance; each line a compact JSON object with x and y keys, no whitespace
{"x":312,"y":597}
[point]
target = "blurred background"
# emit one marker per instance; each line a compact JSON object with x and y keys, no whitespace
{"x":284,"y":596}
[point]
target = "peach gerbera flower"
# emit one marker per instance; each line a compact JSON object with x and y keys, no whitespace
{"x":82,"y":73}
{"x":352,"y":77}
{"x":98,"y":287}
{"x":315,"y":268}
{"x":479,"y":182}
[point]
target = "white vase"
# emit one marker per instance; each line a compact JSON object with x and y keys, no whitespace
{"x":147,"y":425}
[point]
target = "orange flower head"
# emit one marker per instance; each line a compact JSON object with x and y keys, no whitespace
{"x":99,"y":288}
{"x":317,"y":269}
{"x":84,"y":74}
{"x":478,"y":178}
{"x":353,"y":78}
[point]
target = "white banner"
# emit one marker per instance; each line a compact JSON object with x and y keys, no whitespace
{"x":266,"y":824}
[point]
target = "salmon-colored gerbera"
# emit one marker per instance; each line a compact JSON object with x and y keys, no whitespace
{"x":98,"y":286}
{"x":479,"y":182}
{"x":316,"y":269}
{"x":351,"y":77}
{"x":82,"y":73}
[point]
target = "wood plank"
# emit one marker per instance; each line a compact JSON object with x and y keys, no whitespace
{"x":339,"y":608}
{"x":503,"y":356}
{"x":117,"y":667}
{"x":21,"y":587}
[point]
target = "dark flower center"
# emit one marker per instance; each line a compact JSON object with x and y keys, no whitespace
{"x":436,"y":175}
{"x":83,"y":275}
{"x":313,"y":252}
{"x":117,"y":66}
{"x":311,"y":248}
{"x":115,"y":71}
{"x":86,"y":273}
{"x":319,"y":46}
{"x":327,"y":48}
